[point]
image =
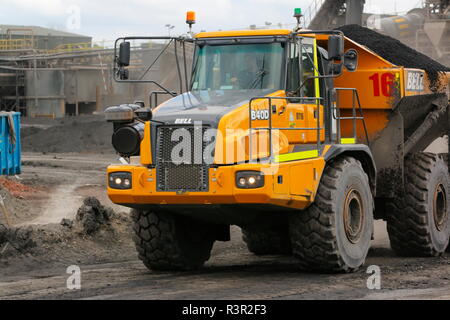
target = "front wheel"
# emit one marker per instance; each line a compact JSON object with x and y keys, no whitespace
{"x":171,"y":242}
{"x":334,"y":233}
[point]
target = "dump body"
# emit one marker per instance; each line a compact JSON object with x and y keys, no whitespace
{"x":404,"y":112}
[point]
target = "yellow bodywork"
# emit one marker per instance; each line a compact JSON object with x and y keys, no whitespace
{"x":243,"y":33}
{"x":292,"y":192}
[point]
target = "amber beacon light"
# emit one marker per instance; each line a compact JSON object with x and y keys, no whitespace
{"x":190,"y":18}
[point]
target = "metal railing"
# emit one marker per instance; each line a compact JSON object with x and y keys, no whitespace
{"x":17,"y":44}
{"x":356,"y":103}
{"x":312,"y":11}
{"x":32,"y":44}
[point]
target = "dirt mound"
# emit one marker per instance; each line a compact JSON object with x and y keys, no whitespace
{"x":84,"y":135}
{"x":20,"y":239}
{"x":26,"y":131}
{"x":394,"y":51}
{"x":3,"y":233}
{"x":97,"y":234}
{"x":92,"y":215}
{"x":17,"y":204}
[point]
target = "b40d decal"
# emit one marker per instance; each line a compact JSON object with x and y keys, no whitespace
{"x":414,"y":81}
{"x":260,"y":115}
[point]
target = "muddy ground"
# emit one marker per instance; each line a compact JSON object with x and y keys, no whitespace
{"x":111,"y":270}
{"x":36,"y":251}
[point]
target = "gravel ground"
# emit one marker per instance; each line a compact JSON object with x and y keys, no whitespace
{"x":111,"y":270}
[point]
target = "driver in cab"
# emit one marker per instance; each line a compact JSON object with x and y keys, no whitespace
{"x":251,"y":77}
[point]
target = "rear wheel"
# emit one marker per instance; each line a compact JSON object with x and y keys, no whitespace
{"x":419,"y":222}
{"x":170,"y":242}
{"x":334,"y":233}
{"x":268,"y":240}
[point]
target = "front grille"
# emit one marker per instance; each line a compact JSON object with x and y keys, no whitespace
{"x":179,"y":164}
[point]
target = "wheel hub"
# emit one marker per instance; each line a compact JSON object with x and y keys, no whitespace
{"x":440,"y":212}
{"x":353,"y":216}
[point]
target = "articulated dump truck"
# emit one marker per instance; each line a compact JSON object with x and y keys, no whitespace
{"x":300,"y":138}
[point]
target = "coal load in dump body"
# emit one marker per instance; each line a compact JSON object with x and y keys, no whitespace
{"x":394,"y":51}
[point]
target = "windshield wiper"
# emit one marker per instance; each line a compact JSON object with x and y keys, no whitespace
{"x":260,"y":75}
{"x":259,"y":79}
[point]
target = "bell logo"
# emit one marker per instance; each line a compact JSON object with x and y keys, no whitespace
{"x":183,"y":121}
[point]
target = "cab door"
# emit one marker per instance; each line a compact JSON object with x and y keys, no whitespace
{"x":307,"y":112}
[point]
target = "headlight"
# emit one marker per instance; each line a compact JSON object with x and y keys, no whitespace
{"x":249,"y":179}
{"x":120,"y":180}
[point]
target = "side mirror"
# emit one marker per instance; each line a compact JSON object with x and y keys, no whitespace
{"x":351,"y":60}
{"x":335,"y":48}
{"x":124,"y":54}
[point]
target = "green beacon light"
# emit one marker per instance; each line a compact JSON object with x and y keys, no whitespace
{"x":298,"y":15}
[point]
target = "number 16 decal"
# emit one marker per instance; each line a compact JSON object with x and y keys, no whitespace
{"x":383,"y":85}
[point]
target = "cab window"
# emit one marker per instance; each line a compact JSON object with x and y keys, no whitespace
{"x":301,"y":69}
{"x":308,"y":71}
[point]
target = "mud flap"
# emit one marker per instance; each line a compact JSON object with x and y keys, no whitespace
{"x":388,"y":154}
{"x":413,"y":125}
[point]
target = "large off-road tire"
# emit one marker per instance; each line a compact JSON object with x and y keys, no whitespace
{"x":268,"y":240}
{"x":444,"y":156}
{"x":334,"y":233}
{"x":170,"y":242}
{"x":418,"y":220}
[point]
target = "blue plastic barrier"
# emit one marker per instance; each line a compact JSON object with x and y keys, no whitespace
{"x":10,"y":143}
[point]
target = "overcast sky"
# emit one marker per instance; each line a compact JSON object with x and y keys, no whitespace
{"x":106,"y":20}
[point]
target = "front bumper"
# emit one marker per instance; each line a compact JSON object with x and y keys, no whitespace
{"x":222,"y":188}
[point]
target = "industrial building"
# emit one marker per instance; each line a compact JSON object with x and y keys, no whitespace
{"x":14,"y":37}
{"x":50,"y":73}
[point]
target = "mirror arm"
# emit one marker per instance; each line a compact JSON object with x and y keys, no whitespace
{"x":155,"y":121}
{"x":159,"y":122}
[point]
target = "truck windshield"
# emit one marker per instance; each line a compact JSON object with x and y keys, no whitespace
{"x":238,"y":67}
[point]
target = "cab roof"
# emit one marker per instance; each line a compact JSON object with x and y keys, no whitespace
{"x":244,"y":33}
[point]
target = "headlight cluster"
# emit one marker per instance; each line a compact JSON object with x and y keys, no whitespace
{"x":249,"y":179}
{"x":120,"y":180}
